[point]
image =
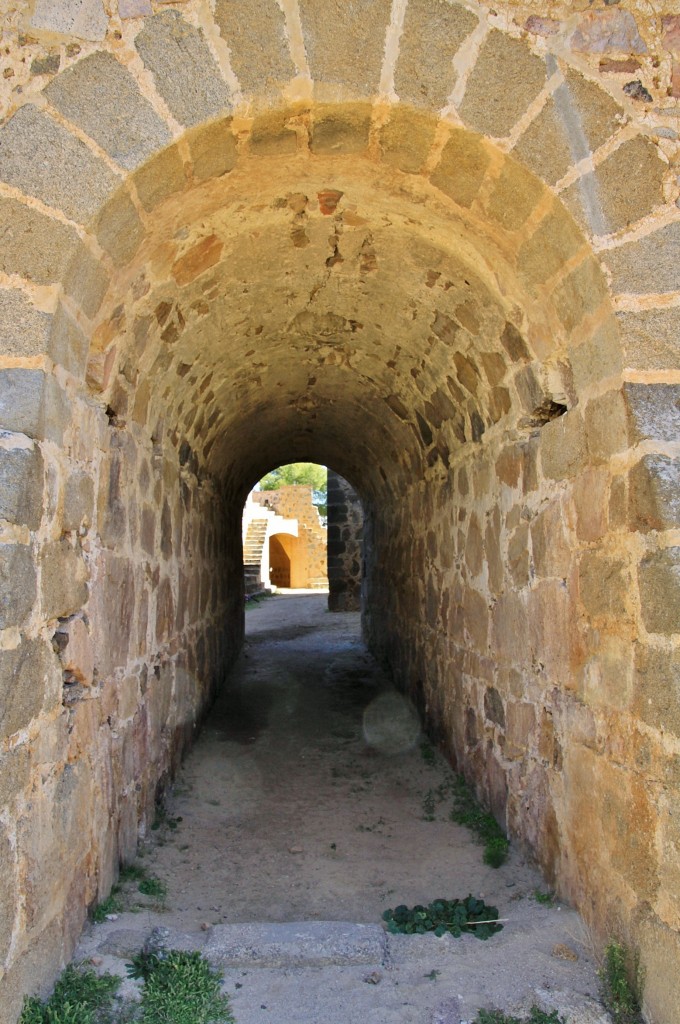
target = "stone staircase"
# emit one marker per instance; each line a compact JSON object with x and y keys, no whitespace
{"x":252,"y":555}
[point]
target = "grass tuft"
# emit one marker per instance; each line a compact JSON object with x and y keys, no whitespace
{"x":180,"y":988}
{"x":80,"y":997}
{"x":620,"y":996}
{"x":466,"y":811}
{"x":536,"y":1016}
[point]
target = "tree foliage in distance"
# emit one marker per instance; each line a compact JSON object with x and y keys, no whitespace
{"x":307,"y":473}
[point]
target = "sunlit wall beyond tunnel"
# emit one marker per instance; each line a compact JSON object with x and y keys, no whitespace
{"x":402,"y":240}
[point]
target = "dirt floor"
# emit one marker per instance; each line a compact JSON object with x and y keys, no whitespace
{"x":309,"y":797}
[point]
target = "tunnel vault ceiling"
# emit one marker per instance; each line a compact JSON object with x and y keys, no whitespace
{"x":336,"y":308}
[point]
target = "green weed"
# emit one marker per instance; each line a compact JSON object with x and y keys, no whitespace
{"x":113,"y":904}
{"x":80,"y":997}
{"x":441,"y":916}
{"x":546,"y":899}
{"x":620,"y":996}
{"x":151,"y":886}
{"x":536,"y":1016}
{"x":428,"y":753}
{"x":180,"y":987}
{"x":466,"y":811}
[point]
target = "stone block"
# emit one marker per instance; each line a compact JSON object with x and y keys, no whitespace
{"x":134,"y":8}
{"x":603,"y":585}
{"x":160,"y":178}
{"x":255,"y":33}
{"x":649,"y":264}
{"x":75,"y":650}
{"x":650,"y":338}
{"x":514,"y":195}
{"x":213,"y":149}
{"x":78,"y":500}
{"x":510,"y":630}
{"x":406,"y":139}
{"x":68,"y":344}
{"x":503,"y":82}
{"x":657,"y":687}
{"x":519,"y":729}
{"x":653,"y":411}
{"x":659,"y":947}
{"x":654,"y":494}
{"x":24,"y":683}
{"x":432,"y":35}
{"x":15,"y":767}
{"x":33,"y":245}
{"x":43,"y":159}
{"x":272,"y":134}
{"x":340,"y":131}
{"x":659,"y":583}
{"x":63,"y":579}
{"x":183,"y":67}
{"x":606,"y":31}
{"x":9,"y":905}
{"x":563,"y":446}
{"x":103,"y":99}
{"x":86,"y":282}
{"x":518,"y":556}
{"x":591,"y":497}
{"x":84,"y":19}
{"x":550,"y":622}
{"x":462,"y":167}
{"x":555,"y":240}
{"x":550,"y":546}
{"x":580,"y":294}
{"x":21,"y":486}
{"x":599,"y":356}
{"x":22,"y":395}
{"x":119,"y":229}
{"x":112,"y":611}
{"x":24,"y":330}
{"x":606,"y":425}
{"x":345,"y":42}
{"x":625,"y":187}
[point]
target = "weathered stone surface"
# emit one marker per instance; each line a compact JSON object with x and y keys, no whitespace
{"x":18,"y":590}
{"x":597,"y":358}
{"x":461,"y":169}
{"x":504,"y":81}
{"x":550,"y":546}
{"x":86,"y":281}
{"x":67,"y":175}
{"x":24,"y":674}
{"x":295,"y":944}
{"x":659,"y":582}
{"x":24,"y":330}
{"x":21,"y":486}
{"x":432,"y":35}
{"x":657,"y":687}
{"x":134,"y":8}
{"x":345,"y":42}
{"x":102,"y":98}
{"x":255,"y":32}
{"x":14,"y":773}
{"x":624,"y":188}
{"x":606,"y":425}
{"x":213,"y":149}
{"x":654,"y":494}
{"x":653,"y":411}
{"x":32,"y":245}
{"x":341,"y":132}
{"x":605,"y":31}
{"x":161,"y":177}
{"x":406,"y":139}
{"x":650,"y":338}
{"x":591,"y":493}
{"x":603,"y":585}
{"x":75,"y":651}
{"x":119,"y":229}
{"x":183,"y":67}
{"x":563,"y":446}
{"x":78,"y":500}
{"x":68,"y":344}
{"x":21,"y":400}
{"x":555,"y":240}
{"x":84,"y":19}
{"x":647,"y":265}
{"x":514,"y":196}
{"x":63,"y":576}
{"x":581,"y":293}
{"x":8,"y":883}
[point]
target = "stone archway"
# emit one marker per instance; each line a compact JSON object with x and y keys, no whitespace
{"x":235,"y":275}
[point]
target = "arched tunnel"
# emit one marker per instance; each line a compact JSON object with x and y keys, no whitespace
{"x":205,"y":276}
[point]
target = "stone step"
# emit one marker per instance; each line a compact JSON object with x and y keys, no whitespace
{"x":295,"y":944}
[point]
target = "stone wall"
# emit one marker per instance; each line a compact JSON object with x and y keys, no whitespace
{"x":306,"y":552}
{"x":431,"y":244}
{"x":345,"y":527}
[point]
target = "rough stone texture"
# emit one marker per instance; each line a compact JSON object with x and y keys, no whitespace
{"x":32,"y":245}
{"x":659,"y":581}
{"x":102,"y":98}
{"x":21,"y":486}
{"x":66,"y":175}
{"x":159,"y":178}
{"x":255,"y":32}
{"x":119,"y":229}
{"x":654,"y":494}
{"x":183,"y":67}
{"x":213,"y":149}
{"x":68,"y":343}
{"x":653,"y":411}
{"x":345,"y":528}
{"x":24,"y":330}
{"x":84,"y":19}
{"x":505,"y":79}
{"x":63,"y":576}
{"x":18,"y":590}
{"x":648,"y":265}
{"x":295,"y":944}
{"x":461,"y":168}
{"x":603,"y":31}
{"x":345,"y":42}
{"x":432,"y":35}
{"x":24,"y":673}
{"x":651,"y":338}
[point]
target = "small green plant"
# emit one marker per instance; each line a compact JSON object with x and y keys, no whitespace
{"x":111,"y":905}
{"x":546,"y":899}
{"x":620,"y":996}
{"x":80,"y":997}
{"x":441,"y":916}
{"x":428,"y":754}
{"x":466,"y":811}
{"x":429,"y":806}
{"x":151,"y":886}
{"x":179,"y":988}
{"x":536,"y":1016}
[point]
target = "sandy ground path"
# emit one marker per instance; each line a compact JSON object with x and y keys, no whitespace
{"x":308,"y":798}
